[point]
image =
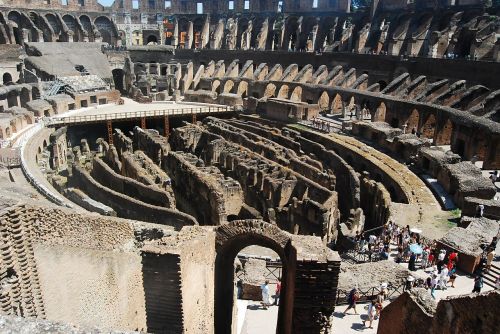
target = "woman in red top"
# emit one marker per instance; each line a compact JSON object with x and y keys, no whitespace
{"x":453,"y":258}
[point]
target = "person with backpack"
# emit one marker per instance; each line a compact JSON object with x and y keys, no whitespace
{"x":352,"y":299}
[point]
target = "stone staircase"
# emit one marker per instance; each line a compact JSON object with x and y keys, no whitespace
{"x":20,"y":292}
{"x":490,"y":277}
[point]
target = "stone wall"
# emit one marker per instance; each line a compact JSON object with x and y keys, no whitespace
{"x":150,"y":194}
{"x":126,"y":206}
{"x":205,"y":192}
{"x":416,"y":312}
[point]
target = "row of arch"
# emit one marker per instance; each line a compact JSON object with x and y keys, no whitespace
{"x":428,"y":124}
{"x":53,"y":27}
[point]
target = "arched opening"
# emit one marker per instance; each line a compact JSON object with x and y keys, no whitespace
{"x":283,"y":92}
{"x":429,"y":127}
{"x":231,"y":239}
{"x":243,"y":89}
{"x":382,"y":84}
{"x":152,"y":40}
{"x":87,"y":26}
{"x":337,"y":104}
{"x":444,"y":133}
{"x":105,"y":27}
{"x":296,"y":94}
{"x":324,"y":101}
{"x":412,"y":123}
{"x":379,"y":115}
{"x":24,"y":97}
{"x":228,"y":86}
{"x":12,"y":100}
{"x":270,"y":90}
{"x":6,"y":78}
{"x":216,"y":86}
{"x":118,"y":76}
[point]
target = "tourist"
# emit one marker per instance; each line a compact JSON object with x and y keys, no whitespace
{"x":489,"y":259}
{"x":453,"y":275}
{"x":425,"y":257}
{"x":277,"y":293}
{"x":440,"y":260}
{"x":434,"y":282}
{"x":479,"y":210}
{"x":357,"y":240}
{"x":430,"y":259}
{"x":453,"y":258}
{"x":443,"y":278}
{"x":265,"y":295}
{"x":371,"y":312}
{"x":478,"y":284}
{"x":428,"y":283}
{"x":411,"y":262}
{"x":351,"y":300}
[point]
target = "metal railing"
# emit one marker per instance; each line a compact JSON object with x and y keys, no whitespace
{"x":393,"y":291}
{"x":136,"y":115}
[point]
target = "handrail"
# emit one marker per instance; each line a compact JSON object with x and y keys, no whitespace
{"x":137,"y":114}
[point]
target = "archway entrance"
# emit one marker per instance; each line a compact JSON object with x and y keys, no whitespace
{"x":313,"y":278}
{"x":118,"y":77}
{"x":230,"y":240}
{"x":6,"y":78}
{"x":152,"y":39}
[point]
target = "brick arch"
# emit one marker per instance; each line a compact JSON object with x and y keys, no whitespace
{"x":228,"y":86}
{"x":324,"y":101}
{"x":379,"y":115}
{"x":270,"y":90}
{"x":428,"y":127}
{"x":444,"y":132}
{"x":230,"y":239}
{"x":337,"y":104}
{"x":216,"y":86}
{"x":296,"y":94}
{"x":413,"y":120}
{"x":283,"y":92}
{"x":242,"y":89}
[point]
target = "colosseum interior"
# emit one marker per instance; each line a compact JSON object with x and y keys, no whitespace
{"x":164,"y":165}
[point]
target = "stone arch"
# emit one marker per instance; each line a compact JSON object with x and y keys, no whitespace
{"x":230,"y":239}
{"x":337,"y":104}
{"x":428,"y":127}
{"x":243,"y":89}
{"x":6,"y":78}
{"x":24,"y":97}
{"x":54,"y":23}
{"x":70,"y":22}
{"x":105,"y":27}
{"x":324,"y":101}
{"x":444,"y":133}
{"x":228,"y":86}
{"x":270,"y":90}
{"x":216,"y":86}
{"x":12,"y":99}
{"x":87,"y":26}
{"x":379,"y":115}
{"x":152,"y":39}
{"x":296,"y":95}
{"x":17,"y":29}
{"x":118,"y":79}
{"x":412,"y":122}
{"x":1,"y":134}
{"x":283,"y":92}
{"x":8,"y":132}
